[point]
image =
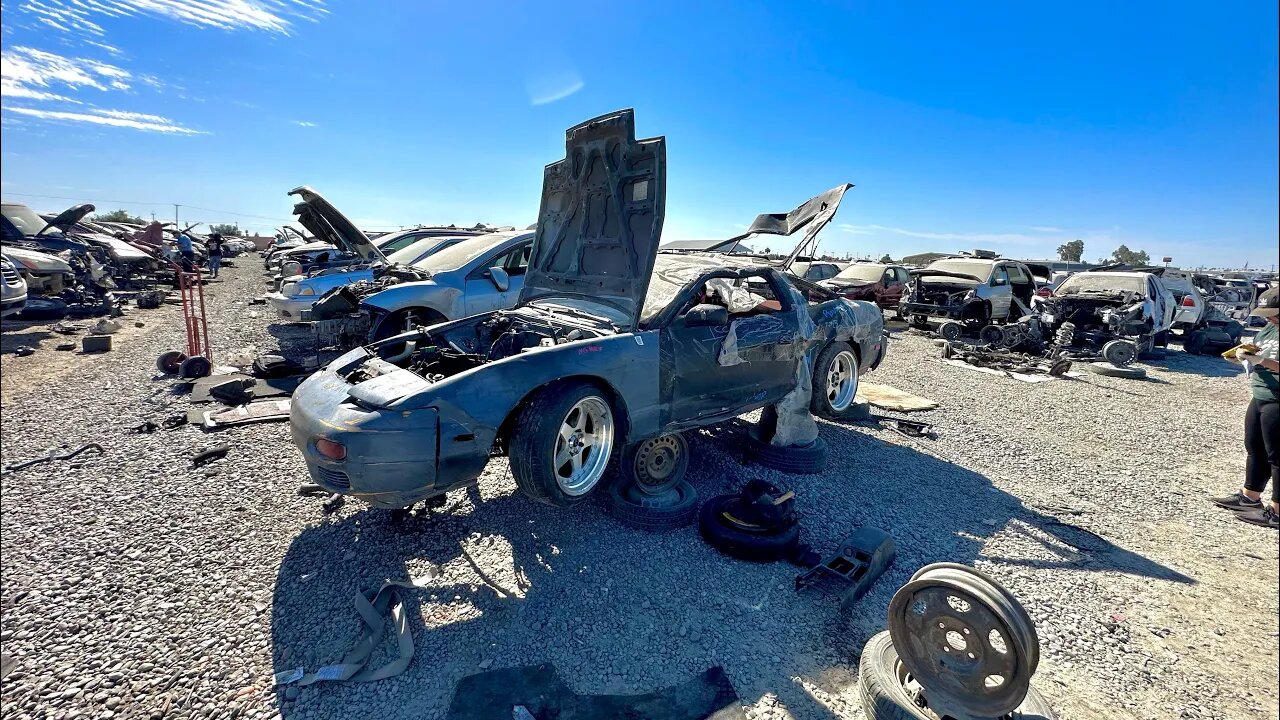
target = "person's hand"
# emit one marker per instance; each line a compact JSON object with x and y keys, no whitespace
{"x":1244,"y":357}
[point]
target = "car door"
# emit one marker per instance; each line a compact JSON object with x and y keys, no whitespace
{"x":481,"y":294}
{"x":1001,"y":296}
{"x":892,"y":286}
{"x":760,"y":369}
{"x":1161,"y":302}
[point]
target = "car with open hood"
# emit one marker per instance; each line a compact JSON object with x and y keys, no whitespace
{"x":13,"y":288}
{"x":975,"y":289}
{"x":610,"y":346}
{"x":393,"y":253}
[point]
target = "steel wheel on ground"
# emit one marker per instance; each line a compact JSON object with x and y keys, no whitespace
{"x":169,"y":363}
{"x":675,"y":507}
{"x":991,"y":335}
{"x":889,"y":691}
{"x":1119,"y":352}
{"x":964,"y":640}
{"x":951,"y":330}
{"x":835,"y":381}
{"x":656,"y":465}
{"x":562,"y":443}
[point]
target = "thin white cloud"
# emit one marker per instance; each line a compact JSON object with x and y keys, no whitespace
{"x":29,"y":73}
{"x":115,"y":118}
{"x":82,"y":16}
{"x":991,"y":238}
{"x":550,"y":88}
{"x":304,"y":123}
{"x":852,"y":229}
{"x":1047,"y":229}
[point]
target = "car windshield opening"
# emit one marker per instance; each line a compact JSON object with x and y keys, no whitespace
{"x":1101,"y":282}
{"x":861,"y":272}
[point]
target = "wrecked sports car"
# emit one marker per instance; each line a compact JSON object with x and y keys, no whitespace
{"x":610,"y":346}
{"x":1119,"y":315}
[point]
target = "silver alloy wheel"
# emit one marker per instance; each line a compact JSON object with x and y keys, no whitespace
{"x":842,"y":381}
{"x":583,"y":446}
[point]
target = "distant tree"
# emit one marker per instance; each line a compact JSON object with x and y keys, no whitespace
{"x":118,"y":216}
{"x":1126,"y":256}
{"x":225,"y":229}
{"x":1072,"y":251}
{"x":886,"y":258}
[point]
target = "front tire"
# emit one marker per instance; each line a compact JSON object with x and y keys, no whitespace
{"x":562,"y":443}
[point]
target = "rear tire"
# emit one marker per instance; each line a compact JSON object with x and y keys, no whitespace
{"x":836,"y":359}
{"x":538,"y":442}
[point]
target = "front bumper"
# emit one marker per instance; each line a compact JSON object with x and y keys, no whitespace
{"x":930,"y":310}
{"x":293,"y":308}
{"x":391,"y":457}
{"x":13,"y":305}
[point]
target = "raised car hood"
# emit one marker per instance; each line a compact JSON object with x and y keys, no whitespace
{"x":69,"y":217}
{"x":601,"y":216}
{"x":926,"y":272}
{"x":328,"y":225}
{"x":811,"y":217}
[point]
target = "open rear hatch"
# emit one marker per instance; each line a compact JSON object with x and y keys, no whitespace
{"x":601,"y":216}
{"x":68,"y":218}
{"x":324,"y":221}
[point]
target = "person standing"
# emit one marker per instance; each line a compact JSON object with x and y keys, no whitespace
{"x":187,"y":252}
{"x":214,"y":244}
{"x":1261,"y":422}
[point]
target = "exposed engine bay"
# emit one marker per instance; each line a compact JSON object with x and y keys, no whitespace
{"x":342,"y":301}
{"x":1094,"y":317}
{"x":445,"y":352}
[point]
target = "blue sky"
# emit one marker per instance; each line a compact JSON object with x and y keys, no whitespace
{"x":1013,"y":126}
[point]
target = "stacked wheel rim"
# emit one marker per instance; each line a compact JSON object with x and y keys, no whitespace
{"x":967,"y":641}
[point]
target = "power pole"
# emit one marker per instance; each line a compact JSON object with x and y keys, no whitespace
{"x":175,"y":214}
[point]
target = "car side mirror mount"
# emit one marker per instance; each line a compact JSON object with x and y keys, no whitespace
{"x":707,"y":314}
{"x":499,"y":278}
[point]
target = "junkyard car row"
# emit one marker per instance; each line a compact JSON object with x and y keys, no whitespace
{"x":585,"y":352}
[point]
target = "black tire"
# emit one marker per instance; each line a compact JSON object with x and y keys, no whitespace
{"x":1108,"y":370}
{"x":1195,"y":342}
{"x":1162,"y":339}
{"x":740,"y":541}
{"x":884,"y":698}
{"x":676,"y":508}
{"x":951,"y":330}
{"x":171,"y":362}
{"x":820,"y":403}
{"x":536,"y":431}
{"x":808,"y":459}
{"x":920,"y":322}
{"x":991,"y":335}
{"x":196,"y":366}
{"x":976,"y":316}
{"x":395,"y":323}
{"x":656,"y":465}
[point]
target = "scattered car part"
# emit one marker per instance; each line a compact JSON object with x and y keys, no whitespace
{"x":146,"y":427}
{"x":254,"y":412}
{"x":65,"y":346}
{"x":903,"y":426}
{"x":198,"y":356}
{"x":95,"y":343}
{"x":25,"y":350}
{"x":536,"y":691}
{"x":990,"y":335}
{"x":952,"y":330}
{"x":674,"y":507}
{"x":170,"y":362}
{"x":808,"y":459}
{"x":149,"y":299}
{"x":966,"y":640}
{"x":756,"y":524}
{"x":213,"y":453}
{"x":52,"y":456}
{"x":1106,"y":369}
{"x":332,"y":503}
{"x":655,"y":465}
{"x":861,"y":560}
{"x":1119,"y":352}
{"x":234,"y":391}
{"x":889,"y":691}
{"x":275,"y":366}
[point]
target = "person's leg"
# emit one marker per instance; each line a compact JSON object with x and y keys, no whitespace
{"x":215,"y":264}
{"x":1256,"y":472}
{"x":1257,"y":467}
{"x":1264,"y":459}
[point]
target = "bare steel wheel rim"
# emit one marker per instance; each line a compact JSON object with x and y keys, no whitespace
{"x":656,"y":463}
{"x":963,"y":642}
{"x":583,"y":446}
{"x":842,"y":380}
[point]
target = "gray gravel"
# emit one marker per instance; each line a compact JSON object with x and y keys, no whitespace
{"x":136,"y":586}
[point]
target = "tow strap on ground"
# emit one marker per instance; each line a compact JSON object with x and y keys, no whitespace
{"x":373,"y":607}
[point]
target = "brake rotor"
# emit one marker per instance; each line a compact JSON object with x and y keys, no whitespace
{"x":965,"y":639}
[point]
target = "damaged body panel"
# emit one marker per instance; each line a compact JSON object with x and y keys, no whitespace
{"x":670,"y":342}
{"x":972,"y":290}
{"x":1092,"y":309}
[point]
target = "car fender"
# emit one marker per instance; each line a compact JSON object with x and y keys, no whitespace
{"x":442,"y":298}
{"x":480,"y":401}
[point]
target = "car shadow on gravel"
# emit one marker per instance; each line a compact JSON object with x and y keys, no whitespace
{"x":1183,"y":363}
{"x":617,"y":610}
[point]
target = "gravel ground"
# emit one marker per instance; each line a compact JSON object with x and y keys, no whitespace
{"x":137,"y":586}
